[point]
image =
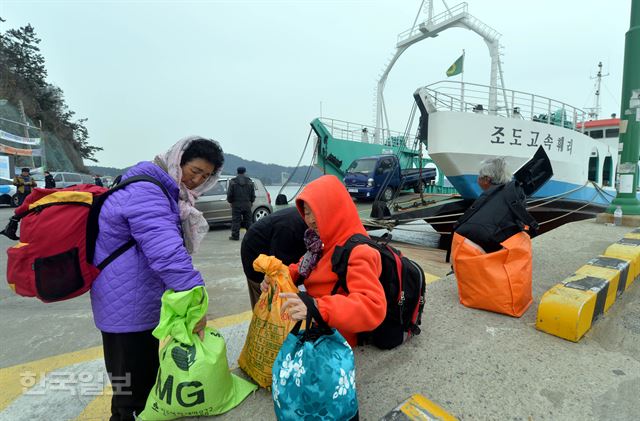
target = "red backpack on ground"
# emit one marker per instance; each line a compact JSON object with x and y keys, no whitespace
{"x":53,"y":259}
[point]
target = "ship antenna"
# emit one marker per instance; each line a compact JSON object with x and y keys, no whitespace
{"x":595,"y":111}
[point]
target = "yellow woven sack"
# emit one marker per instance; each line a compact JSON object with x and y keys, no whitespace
{"x":267,"y":330}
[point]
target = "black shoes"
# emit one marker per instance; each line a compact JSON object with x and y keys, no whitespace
{"x":234,"y":238}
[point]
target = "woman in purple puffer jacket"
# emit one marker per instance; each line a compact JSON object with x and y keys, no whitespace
{"x":126,"y":295}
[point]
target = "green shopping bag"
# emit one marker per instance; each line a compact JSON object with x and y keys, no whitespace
{"x":193,"y":378}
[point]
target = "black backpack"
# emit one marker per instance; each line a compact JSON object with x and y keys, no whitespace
{"x":496,"y":215}
{"x":404,"y":288}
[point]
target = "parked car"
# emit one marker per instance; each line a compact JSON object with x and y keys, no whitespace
{"x":38,"y":178}
{"x":215,"y":208}
{"x":8,"y":192}
{"x":66,"y":179}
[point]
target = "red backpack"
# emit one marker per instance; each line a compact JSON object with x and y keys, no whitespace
{"x":53,"y":259}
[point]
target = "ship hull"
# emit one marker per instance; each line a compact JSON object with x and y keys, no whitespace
{"x":458,"y":143}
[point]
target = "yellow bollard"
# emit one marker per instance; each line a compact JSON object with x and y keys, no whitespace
{"x":569,"y":309}
{"x":627,"y":249}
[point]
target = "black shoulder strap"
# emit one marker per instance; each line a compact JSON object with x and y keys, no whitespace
{"x":92,"y":222}
{"x":340,"y":259}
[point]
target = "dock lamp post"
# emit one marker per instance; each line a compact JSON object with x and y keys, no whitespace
{"x":629,"y":147}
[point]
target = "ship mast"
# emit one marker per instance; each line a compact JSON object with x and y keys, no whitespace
{"x":595,"y":111}
{"x":456,"y":16}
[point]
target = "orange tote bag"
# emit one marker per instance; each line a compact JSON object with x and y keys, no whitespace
{"x":498,"y":281}
{"x":268,"y":329}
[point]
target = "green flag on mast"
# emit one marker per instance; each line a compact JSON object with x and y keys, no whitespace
{"x":456,"y":67}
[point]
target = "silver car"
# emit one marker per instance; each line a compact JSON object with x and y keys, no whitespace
{"x":213,"y":204}
{"x":67,"y":179}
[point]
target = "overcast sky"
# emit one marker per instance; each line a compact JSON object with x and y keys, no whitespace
{"x":253,"y":74}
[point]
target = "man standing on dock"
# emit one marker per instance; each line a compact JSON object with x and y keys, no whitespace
{"x":24,"y":183}
{"x":241,"y":195}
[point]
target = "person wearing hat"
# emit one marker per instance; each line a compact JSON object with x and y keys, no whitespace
{"x":241,"y":195}
{"x":24,"y":183}
{"x":49,"y":182}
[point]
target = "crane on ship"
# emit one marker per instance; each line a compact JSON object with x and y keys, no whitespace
{"x":456,"y":16}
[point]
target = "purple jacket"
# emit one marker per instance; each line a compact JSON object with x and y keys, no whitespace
{"x":126,"y":295}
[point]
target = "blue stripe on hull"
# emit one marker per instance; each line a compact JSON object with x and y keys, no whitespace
{"x":467,"y":186}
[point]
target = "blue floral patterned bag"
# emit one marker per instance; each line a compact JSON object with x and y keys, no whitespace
{"x":313,"y":376}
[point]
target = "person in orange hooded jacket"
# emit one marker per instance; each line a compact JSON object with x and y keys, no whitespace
{"x":328,"y":210}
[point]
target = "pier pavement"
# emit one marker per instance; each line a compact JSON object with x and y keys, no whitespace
{"x":475,"y":364}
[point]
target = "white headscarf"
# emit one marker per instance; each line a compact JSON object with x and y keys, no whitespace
{"x":194,"y":225}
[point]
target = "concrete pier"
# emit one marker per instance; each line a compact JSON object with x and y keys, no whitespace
{"x":476,"y":365}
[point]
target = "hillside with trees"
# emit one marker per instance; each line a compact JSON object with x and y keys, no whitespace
{"x":27,"y":96}
{"x":270,"y":174}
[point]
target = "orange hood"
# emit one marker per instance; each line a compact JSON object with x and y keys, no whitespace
{"x":336,"y":214}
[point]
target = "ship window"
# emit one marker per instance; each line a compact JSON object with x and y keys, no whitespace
{"x":596,"y":134}
{"x":611,"y":132}
{"x":593,"y":168}
{"x":607,"y":171}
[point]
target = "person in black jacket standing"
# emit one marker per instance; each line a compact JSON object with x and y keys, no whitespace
{"x":280,"y":234}
{"x":49,"y":182}
{"x":241,"y":195}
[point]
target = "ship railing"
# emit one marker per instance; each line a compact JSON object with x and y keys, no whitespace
{"x":441,"y":18}
{"x":356,"y":132}
{"x":472,"y":97}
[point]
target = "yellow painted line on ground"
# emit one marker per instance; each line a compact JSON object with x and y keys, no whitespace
{"x":234,"y":319}
{"x":10,"y":377}
{"x":98,"y":409}
{"x":429,"y":278}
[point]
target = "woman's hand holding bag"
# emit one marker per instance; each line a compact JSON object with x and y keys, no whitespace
{"x":314,"y":372}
